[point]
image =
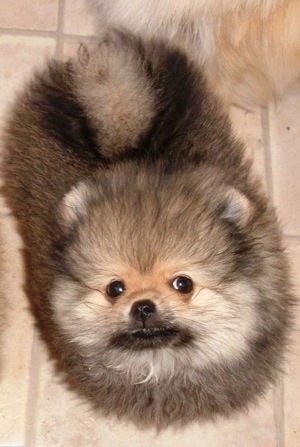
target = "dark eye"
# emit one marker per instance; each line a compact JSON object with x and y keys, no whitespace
{"x":183,"y":284}
{"x":115,"y":288}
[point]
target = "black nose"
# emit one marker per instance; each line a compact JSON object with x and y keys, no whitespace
{"x":142,"y":310}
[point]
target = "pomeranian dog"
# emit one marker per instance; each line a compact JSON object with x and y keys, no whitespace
{"x":155,"y":261}
{"x":249,"y":49}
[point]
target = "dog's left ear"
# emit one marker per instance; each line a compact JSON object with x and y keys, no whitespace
{"x":73,"y":207}
{"x":237,"y":208}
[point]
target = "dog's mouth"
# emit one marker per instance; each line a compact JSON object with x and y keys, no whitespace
{"x":154,"y":337}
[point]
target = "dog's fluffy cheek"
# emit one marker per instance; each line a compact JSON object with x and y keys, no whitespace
{"x":223,"y":324}
{"x":81,"y":314}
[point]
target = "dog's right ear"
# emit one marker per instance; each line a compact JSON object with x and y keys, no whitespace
{"x":73,"y":207}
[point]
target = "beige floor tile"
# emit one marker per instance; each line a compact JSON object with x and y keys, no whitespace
{"x":292,"y":381}
{"x":285,"y":154}
{"x":77,"y":18}
{"x":29,"y":14}
{"x":71,"y":47}
{"x":248,"y":127}
{"x":18,"y":56}
{"x":16,"y":340}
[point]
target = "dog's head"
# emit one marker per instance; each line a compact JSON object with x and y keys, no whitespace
{"x":150,"y":272}
{"x":155,"y":273}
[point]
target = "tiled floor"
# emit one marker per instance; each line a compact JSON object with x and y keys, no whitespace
{"x":35,"y":408}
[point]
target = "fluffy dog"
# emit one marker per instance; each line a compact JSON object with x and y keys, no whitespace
{"x":155,"y":261}
{"x":249,"y":49}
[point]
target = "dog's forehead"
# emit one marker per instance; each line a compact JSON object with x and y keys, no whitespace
{"x":160,"y":273}
{"x":136,"y":279}
{"x":155,"y":275}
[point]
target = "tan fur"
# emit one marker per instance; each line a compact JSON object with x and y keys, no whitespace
{"x":122,"y":88}
{"x":257,"y":59}
{"x":250,"y":50}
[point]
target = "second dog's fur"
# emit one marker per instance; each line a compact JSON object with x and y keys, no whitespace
{"x":250,"y":49}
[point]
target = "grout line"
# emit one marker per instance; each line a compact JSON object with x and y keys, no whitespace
{"x":278,"y":394}
{"x":41,"y":33}
{"x":266,"y":139}
{"x":27,"y":32}
{"x":60,"y":29}
{"x":292,"y":237}
{"x":81,"y":37}
{"x":33,"y":393}
{"x":279,"y":415}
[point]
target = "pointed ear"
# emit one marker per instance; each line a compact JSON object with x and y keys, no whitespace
{"x":73,"y":207}
{"x":237,"y":208}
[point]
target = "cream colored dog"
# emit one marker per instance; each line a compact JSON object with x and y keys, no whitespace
{"x":250,"y":49}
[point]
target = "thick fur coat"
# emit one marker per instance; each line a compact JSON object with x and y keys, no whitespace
{"x":249,"y":49}
{"x":154,"y":259}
